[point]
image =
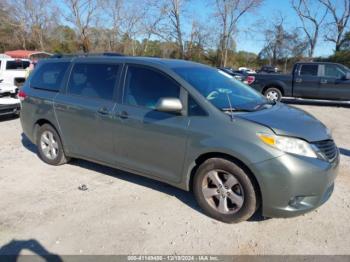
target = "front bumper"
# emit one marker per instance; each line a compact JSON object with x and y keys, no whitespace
{"x":9,"y":109}
{"x":292,"y":185}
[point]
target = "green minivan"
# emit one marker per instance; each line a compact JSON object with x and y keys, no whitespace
{"x":183,"y":123}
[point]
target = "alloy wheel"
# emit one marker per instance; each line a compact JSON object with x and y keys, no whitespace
{"x":49,"y":145}
{"x":223,"y":192}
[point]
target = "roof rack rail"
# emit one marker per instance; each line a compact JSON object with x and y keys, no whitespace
{"x":86,"y":54}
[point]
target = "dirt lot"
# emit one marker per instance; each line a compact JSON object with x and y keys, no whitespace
{"x":121,"y":213}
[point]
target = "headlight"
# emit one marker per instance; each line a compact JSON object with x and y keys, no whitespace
{"x":289,"y":144}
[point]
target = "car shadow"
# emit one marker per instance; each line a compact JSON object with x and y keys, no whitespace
{"x":10,"y":252}
{"x":345,"y":152}
{"x":28,"y":144}
{"x":312,"y":102}
{"x":182,"y":195}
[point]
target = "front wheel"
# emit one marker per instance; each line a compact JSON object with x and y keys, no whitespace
{"x":225,"y":191}
{"x":273,"y":94}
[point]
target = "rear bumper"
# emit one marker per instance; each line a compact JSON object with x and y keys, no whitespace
{"x":9,"y":109}
{"x":292,"y":185}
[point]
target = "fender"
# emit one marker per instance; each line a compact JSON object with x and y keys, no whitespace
{"x":285,"y":89}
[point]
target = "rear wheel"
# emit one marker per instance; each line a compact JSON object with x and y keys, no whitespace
{"x":225,"y":191}
{"x":273,"y":94}
{"x":50,"y":147}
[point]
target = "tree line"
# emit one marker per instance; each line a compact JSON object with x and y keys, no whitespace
{"x":174,"y":29}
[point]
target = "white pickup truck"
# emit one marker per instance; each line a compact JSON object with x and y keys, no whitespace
{"x":12,"y":76}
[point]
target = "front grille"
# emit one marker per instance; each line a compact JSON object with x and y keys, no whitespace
{"x":327,"y":148}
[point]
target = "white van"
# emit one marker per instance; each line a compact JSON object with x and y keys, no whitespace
{"x":12,"y":72}
{"x":12,"y":76}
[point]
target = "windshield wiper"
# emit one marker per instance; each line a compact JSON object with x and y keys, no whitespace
{"x":258,"y":107}
{"x":231,"y":109}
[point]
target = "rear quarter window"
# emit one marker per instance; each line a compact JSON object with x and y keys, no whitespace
{"x":49,"y":76}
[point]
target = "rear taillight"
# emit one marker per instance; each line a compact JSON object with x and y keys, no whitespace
{"x":22,"y":95}
{"x":250,"y":79}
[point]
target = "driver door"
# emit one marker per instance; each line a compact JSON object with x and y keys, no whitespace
{"x":149,"y":141}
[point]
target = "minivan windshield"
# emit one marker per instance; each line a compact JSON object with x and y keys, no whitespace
{"x":221,"y":89}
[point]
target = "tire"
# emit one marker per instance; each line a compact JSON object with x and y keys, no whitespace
{"x":49,"y":145}
{"x":273,"y":94}
{"x":202,"y":183}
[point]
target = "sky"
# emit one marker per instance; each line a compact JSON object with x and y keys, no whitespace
{"x":250,"y":37}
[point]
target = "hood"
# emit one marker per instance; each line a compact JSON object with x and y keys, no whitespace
{"x":290,"y":121}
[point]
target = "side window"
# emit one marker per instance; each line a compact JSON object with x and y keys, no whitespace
{"x":144,"y":87}
{"x":333,"y":71}
{"x":49,"y":76}
{"x":309,"y":70}
{"x":93,"y":80}
{"x":194,"y":109}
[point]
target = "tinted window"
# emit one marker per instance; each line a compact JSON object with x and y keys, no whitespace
{"x":49,"y":76}
{"x":144,"y":87}
{"x":194,"y":109}
{"x":309,"y":70}
{"x":17,"y":64}
{"x":334,"y":71}
{"x":93,"y":80}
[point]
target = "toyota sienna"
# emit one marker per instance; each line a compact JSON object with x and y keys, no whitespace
{"x":185,"y":124}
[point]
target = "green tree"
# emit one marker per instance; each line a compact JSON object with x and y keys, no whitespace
{"x":63,"y":40}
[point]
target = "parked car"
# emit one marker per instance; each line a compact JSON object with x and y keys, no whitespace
{"x":183,"y":123}
{"x":329,"y":81}
{"x":9,"y":105}
{"x":236,"y":74}
{"x":239,"y":75}
{"x":12,"y":76}
{"x":12,"y":71}
{"x":267,"y":69}
{"x":246,"y":70}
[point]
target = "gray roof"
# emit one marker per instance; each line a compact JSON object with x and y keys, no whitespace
{"x":170,"y":63}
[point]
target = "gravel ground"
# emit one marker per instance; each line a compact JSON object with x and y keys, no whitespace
{"x":42,"y":209}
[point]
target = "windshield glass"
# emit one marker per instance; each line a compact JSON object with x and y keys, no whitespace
{"x":221,"y":89}
{"x":17,"y":64}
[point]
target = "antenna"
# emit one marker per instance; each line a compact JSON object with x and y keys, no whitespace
{"x":231,"y":108}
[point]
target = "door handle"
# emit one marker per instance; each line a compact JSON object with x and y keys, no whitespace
{"x":323,"y":81}
{"x":103,"y":111}
{"x":123,"y":115}
{"x":298,"y":80}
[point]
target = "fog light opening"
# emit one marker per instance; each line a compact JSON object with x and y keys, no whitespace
{"x":295,"y":201}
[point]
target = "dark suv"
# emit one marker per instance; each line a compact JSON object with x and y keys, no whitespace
{"x":183,"y":123}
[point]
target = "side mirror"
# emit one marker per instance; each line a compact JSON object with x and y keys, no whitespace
{"x":169,"y":104}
